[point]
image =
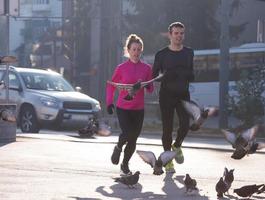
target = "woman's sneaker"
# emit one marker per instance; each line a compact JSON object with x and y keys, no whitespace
{"x":179,"y":155}
{"x":115,"y":157}
{"x":125,"y":171}
{"x":170,"y":167}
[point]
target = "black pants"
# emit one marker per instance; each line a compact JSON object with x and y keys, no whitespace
{"x":131,"y":122}
{"x":168,"y":106}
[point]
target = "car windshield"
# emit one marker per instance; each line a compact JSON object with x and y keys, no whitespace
{"x":42,"y":81}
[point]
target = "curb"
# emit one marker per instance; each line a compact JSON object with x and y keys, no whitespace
{"x":113,"y":140}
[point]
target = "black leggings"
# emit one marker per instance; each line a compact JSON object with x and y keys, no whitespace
{"x":131,"y":122}
{"x":168,"y":106}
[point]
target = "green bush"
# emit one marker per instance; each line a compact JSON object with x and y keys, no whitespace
{"x":247,"y":100}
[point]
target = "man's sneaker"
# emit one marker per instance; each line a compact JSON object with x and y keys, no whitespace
{"x":170,"y":167}
{"x":125,"y":171}
{"x":179,"y":155}
{"x":115,"y":157}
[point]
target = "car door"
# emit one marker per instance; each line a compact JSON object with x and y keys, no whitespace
{"x":2,"y":87}
{"x":14,"y":91}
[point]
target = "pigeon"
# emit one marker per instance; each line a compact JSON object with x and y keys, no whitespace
{"x":133,"y":88}
{"x":261,"y":190}
{"x":157,"y":164}
{"x":94,"y":127}
{"x":130,"y":180}
{"x":198,"y":114}
{"x":248,"y":190}
{"x":245,"y":142}
{"x":7,"y":115}
{"x":190,"y":183}
{"x":132,"y":92}
{"x":85,"y":132}
{"x":228,"y":177}
{"x":221,"y":187}
{"x":90,"y":130}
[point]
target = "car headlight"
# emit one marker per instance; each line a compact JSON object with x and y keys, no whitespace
{"x":97,"y":107}
{"x":49,"y":102}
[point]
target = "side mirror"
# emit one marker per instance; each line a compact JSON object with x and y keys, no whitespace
{"x":78,"y":89}
{"x":2,"y":84}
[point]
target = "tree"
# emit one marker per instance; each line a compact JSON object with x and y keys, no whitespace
{"x":82,"y":34}
{"x":3,"y":40}
{"x":199,"y":17}
{"x":248,"y":101}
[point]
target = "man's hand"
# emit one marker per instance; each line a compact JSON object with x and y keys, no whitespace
{"x":110,"y":109}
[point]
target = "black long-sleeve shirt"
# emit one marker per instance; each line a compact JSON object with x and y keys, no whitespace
{"x":177,"y":67}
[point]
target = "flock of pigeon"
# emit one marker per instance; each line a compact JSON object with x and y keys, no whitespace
{"x":225,"y":182}
{"x":243,"y":143}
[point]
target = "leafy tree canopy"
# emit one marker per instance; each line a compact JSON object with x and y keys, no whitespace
{"x":150,"y":19}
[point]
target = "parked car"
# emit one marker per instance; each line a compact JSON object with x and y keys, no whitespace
{"x":45,"y":99}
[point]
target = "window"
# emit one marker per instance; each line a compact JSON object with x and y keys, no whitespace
{"x":41,"y":1}
{"x":13,"y":81}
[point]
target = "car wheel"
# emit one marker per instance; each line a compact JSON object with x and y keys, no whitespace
{"x":28,"y":120}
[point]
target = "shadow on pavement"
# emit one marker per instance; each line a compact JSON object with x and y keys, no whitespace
{"x":254,"y":197}
{"x":79,"y":137}
{"x":83,"y":198}
{"x":173,"y":190}
{"x":4,"y":143}
{"x":123,"y":192}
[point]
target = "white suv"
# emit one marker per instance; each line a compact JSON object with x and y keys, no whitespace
{"x":45,"y":99}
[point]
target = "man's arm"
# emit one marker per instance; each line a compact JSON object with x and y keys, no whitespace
{"x":191,"y":76}
{"x":157,"y":66}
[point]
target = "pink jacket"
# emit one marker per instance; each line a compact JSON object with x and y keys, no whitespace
{"x":129,"y":72}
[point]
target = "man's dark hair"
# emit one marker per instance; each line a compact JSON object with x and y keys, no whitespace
{"x":176,"y":25}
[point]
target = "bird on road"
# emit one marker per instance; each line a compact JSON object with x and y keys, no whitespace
{"x":157,"y":164}
{"x":198,"y":114}
{"x":190,"y":183}
{"x":221,"y":188}
{"x":130,"y":180}
{"x":94,"y":127}
{"x":228,"y":177}
{"x":244,"y":142}
{"x":248,"y":190}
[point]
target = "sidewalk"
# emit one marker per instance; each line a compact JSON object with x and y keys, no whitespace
{"x":201,"y":141}
{"x":62,"y":166}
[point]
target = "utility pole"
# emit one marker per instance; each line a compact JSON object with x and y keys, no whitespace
{"x":224,"y":63}
{"x":261,"y":30}
{"x":6,"y":12}
{"x":95,"y":43}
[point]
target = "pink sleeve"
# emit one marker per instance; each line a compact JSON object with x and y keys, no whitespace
{"x":110,"y":88}
{"x":150,"y":89}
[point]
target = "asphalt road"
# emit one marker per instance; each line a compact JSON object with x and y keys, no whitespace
{"x":61,"y":166}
